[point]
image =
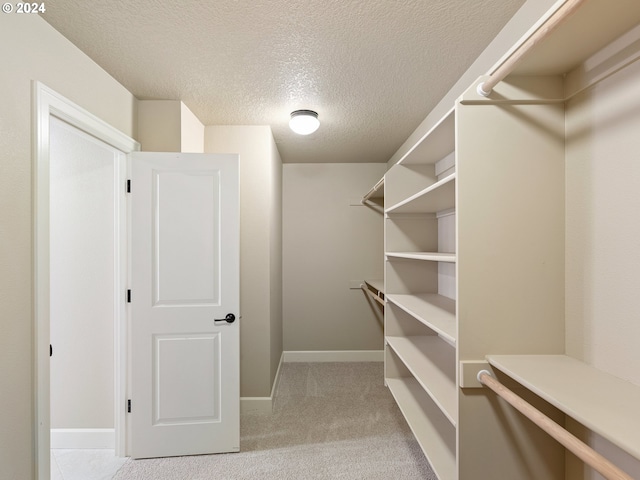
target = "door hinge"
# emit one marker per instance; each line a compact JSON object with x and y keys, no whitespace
{"x":129,"y":296}
{"x":128,"y":186}
{"x":129,"y":406}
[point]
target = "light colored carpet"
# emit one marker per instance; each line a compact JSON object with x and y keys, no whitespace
{"x":330,"y":421}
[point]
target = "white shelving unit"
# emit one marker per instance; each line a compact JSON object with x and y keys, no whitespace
{"x":488,"y":224}
{"x":420,"y":329}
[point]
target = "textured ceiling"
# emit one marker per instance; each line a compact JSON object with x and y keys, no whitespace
{"x":372,"y":69}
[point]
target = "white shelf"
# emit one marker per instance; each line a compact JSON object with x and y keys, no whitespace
{"x":427,"y":256}
{"x":434,"y":145}
{"x":603,"y":403}
{"x":596,"y":23}
{"x":434,"y":433}
{"x":434,"y":198}
{"x":433,"y":364}
{"x":435,"y":311}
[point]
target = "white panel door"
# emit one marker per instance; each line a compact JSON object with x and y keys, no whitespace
{"x":185,"y":390}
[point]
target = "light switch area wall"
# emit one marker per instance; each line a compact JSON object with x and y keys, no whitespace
{"x":82,"y":279}
{"x":327,"y":243}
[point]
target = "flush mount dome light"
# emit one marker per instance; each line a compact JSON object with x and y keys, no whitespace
{"x":304,"y":122}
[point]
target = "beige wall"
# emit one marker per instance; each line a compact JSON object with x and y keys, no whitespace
{"x":326,"y":244}
{"x":602,"y":236}
{"x":260,"y":171}
{"x":168,"y":126}
{"x":603,"y":225}
{"x":159,"y":125}
{"x":32,"y":50}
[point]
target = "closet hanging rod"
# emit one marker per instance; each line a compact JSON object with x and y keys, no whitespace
{"x":375,"y":297}
{"x":373,"y":190}
{"x":486,"y":87}
{"x":585,"y":453}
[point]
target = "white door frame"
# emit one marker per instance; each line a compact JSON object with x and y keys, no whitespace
{"x":46,"y":103}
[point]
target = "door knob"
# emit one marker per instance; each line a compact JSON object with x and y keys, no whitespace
{"x":229,"y":318}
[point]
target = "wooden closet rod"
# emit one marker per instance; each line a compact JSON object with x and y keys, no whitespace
{"x":375,"y":297}
{"x":547,"y":27}
{"x":375,"y":188}
{"x":583,"y":451}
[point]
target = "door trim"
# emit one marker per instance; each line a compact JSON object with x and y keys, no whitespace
{"x":47,"y":103}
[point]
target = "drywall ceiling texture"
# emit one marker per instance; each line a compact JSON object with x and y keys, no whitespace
{"x":372,"y":69}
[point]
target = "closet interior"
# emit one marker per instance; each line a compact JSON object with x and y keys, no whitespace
{"x":511,"y":244}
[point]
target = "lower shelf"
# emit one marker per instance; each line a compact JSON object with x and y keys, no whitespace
{"x":603,"y":403}
{"x":435,"y":434}
{"x":432,"y":363}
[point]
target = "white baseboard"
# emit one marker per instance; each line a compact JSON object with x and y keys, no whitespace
{"x":335,"y":356}
{"x":83,"y":438}
{"x":256,"y":405}
{"x":262,"y":404}
{"x":265,"y":404}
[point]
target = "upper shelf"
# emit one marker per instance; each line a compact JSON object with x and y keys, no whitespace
{"x":435,"y":198}
{"x":434,"y":145}
{"x":559,"y":52}
{"x":601,"y":402}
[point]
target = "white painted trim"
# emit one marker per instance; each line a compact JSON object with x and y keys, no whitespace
{"x":335,"y":356}
{"x":83,"y":438}
{"x":262,"y":404}
{"x":46,"y":103}
{"x":446,"y":213}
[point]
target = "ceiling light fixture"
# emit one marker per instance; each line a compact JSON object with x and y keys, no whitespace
{"x":304,"y":122}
